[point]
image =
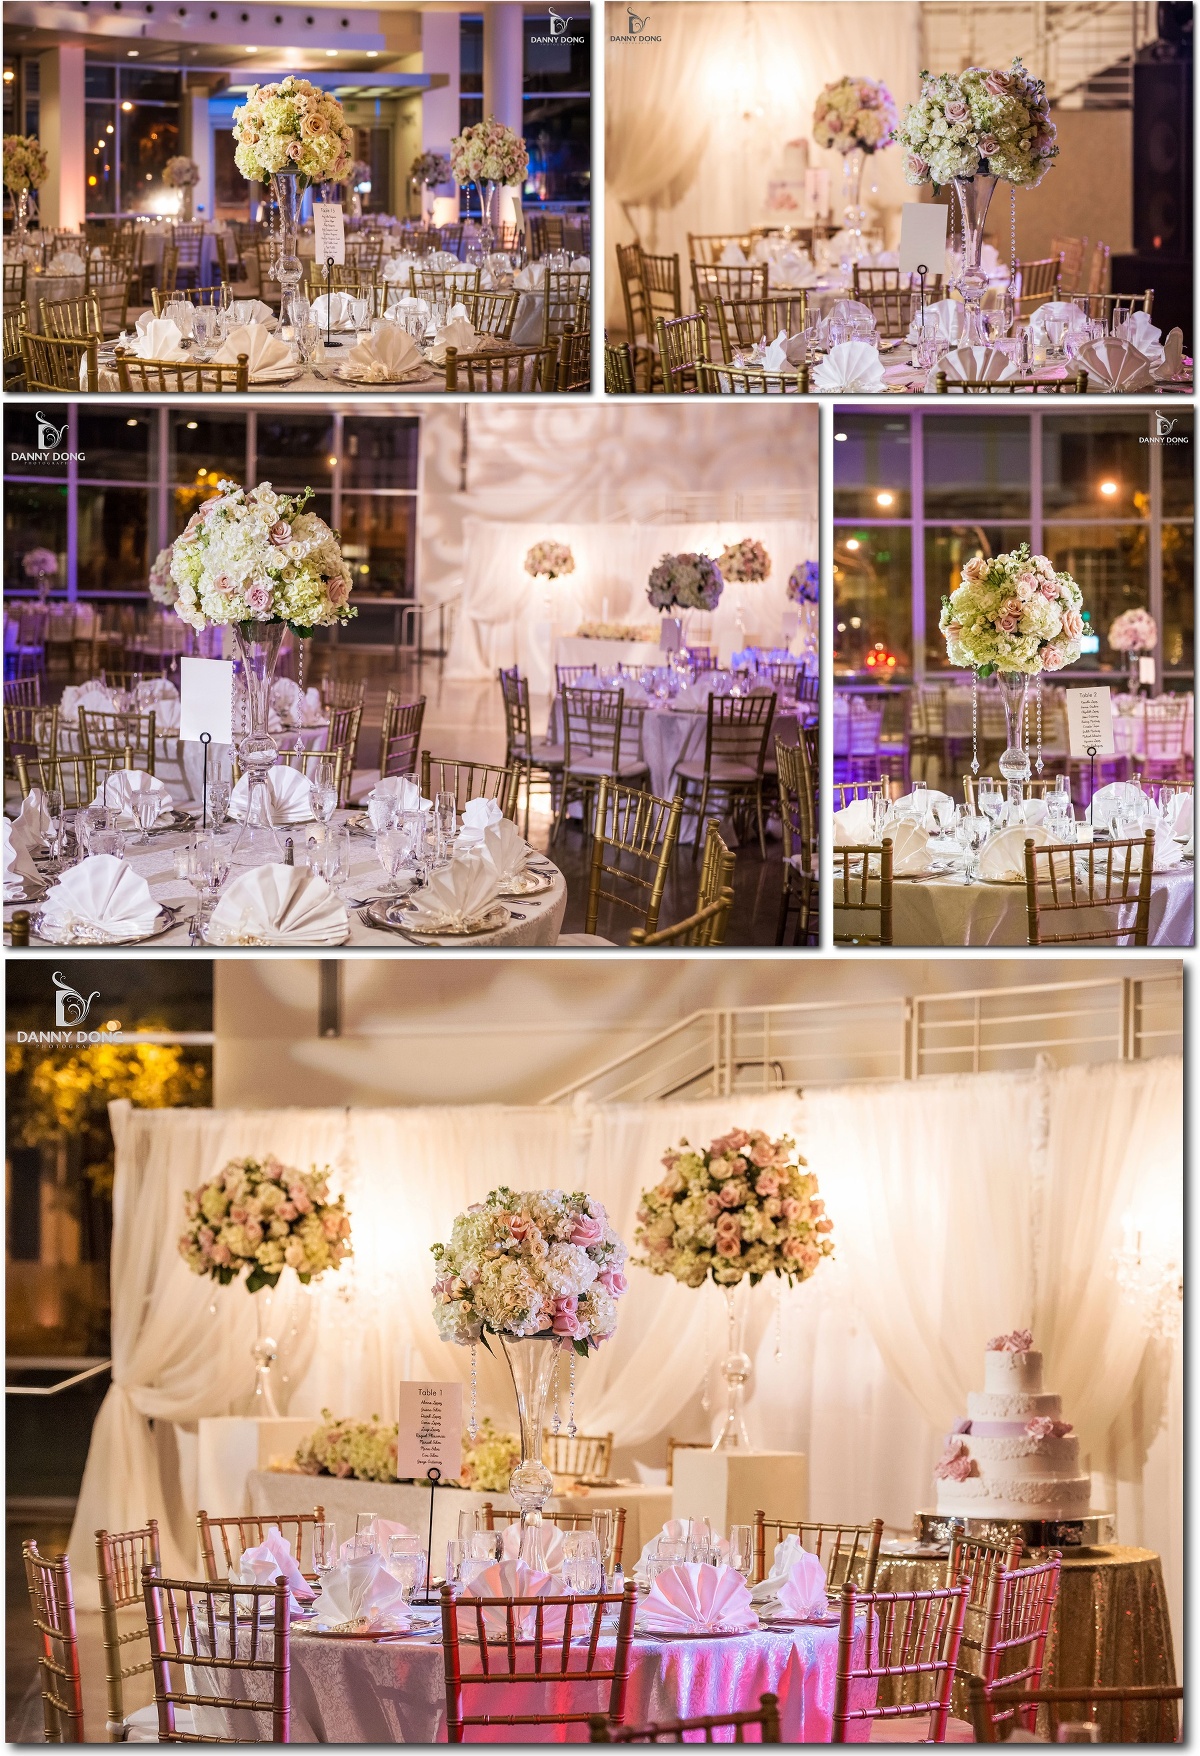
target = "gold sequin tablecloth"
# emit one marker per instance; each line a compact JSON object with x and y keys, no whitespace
{"x":1110,"y":1626}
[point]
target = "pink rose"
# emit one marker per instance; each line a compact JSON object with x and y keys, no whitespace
{"x":339,"y":590}
{"x":1054,"y":657}
{"x":280,"y":533}
{"x":519,"y":1225}
{"x":793,"y":1209}
{"x":954,"y":629}
{"x":1027,"y":586}
{"x":1017,"y":1341}
{"x":794,"y":1248}
{"x":222,"y":1255}
{"x":237,"y":1215}
{"x":955,"y":1464}
{"x":768,"y":1183}
{"x":443,"y":1288}
{"x":613,"y":1281}
{"x":915,"y":166}
{"x":258,"y":598}
{"x":565,"y":1320}
{"x":762,"y":1153}
{"x":729,"y":1226}
{"x":287,"y":1210}
{"x":1049,"y":588}
{"x":712,"y":1205}
{"x":833,"y":122}
{"x":293,"y":151}
{"x":587,"y":1231}
{"x":1040,"y":1427}
{"x":727,"y":1246}
{"x":224,"y":585}
{"x":331,"y":1225}
{"x":299,"y":1199}
{"x":956,"y":110}
{"x":823,"y":1225}
{"x":1072,"y":624}
{"x":996,"y":83}
{"x":730,"y":1195}
{"x":988,"y":145}
{"x":1008,"y":618}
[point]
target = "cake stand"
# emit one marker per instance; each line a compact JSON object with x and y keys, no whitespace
{"x":1092,"y":1530}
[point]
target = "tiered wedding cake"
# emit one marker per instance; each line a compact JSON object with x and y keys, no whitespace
{"x":1014,"y":1456}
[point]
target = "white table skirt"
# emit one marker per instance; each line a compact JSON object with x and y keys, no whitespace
{"x":40,"y":288}
{"x":574,"y":649}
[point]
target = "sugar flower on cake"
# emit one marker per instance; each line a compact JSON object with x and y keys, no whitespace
{"x":1017,"y":1341}
{"x":530,"y":1262}
{"x":685,"y":582}
{"x":24,"y":162}
{"x":1042,"y":1427}
{"x":985,"y":121}
{"x":804,"y":583}
{"x":488,"y":152}
{"x":264,"y":1216}
{"x":745,"y":562}
{"x":291,"y":125}
{"x":955,"y":1463}
{"x":547,"y":560}
{"x":1133,"y":631}
{"x":1013,"y":612}
{"x":854,"y":112}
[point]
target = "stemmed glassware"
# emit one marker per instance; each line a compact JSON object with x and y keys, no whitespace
{"x":218,"y":802}
{"x":324,"y":1549}
{"x":583,"y":1564}
{"x":406,"y":1563}
{"x":322,"y":790}
{"x":145,"y":809}
{"x":971,"y":832}
{"x":445,"y":813}
{"x":741,"y":1549}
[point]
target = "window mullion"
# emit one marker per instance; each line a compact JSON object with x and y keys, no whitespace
{"x":916,"y":529}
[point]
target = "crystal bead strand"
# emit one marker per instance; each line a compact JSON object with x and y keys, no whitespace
{"x":974,"y":722}
{"x":556,"y":1418}
{"x":473,"y":1423}
{"x":571,"y":1428}
{"x":1039,"y":764}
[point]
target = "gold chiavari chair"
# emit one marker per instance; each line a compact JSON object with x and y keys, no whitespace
{"x":708,"y":248}
{"x":100,"y":734}
{"x":1035,"y":788}
{"x":574,"y":360}
{"x":682,"y":348}
{"x":849,"y":1553}
{"x":1114,"y":308}
{"x":517,"y":369}
{"x":108,"y":283}
{"x":1166,"y":729}
{"x":714,"y":900}
{"x":576,"y":1456}
{"x":618,"y":370}
{"x":526,"y":1653}
{"x":168,"y":273}
{"x":852,"y":892}
{"x":56,"y":363}
{"x":347,"y":280}
{"x":345,"y":723}
{"x":443,"y":283}
{"x":236,"y":1533}
{"x":346,"y":692}
{"x":31,"y":730}
{"x":545,"y":234}
{"x":365,"y":253}
{"x":1016,"y":1627}
{"x":120,"y":1557}
{"x":1075,"y":385}
{"x":500,"y":1519}
{"x":1100,"y":270}
{"x":633,"y":844}
{"x":574,"y":677}
{"x":185,"y":296}
{"x":736,"y":739}
{"x":743,"y":322}
{"x":72,"y":319}
{"x":798,"y":816}
{"x":1061,"y":880}
{"x":601,"y":736}
{"x":687,"y":1731}
{"x":912,"y":1639}
{"x":1039,"y":280}
{"x":566,"y":297}
{"x":716,"y":867}
{"x":713,"y":284}
{"x":182,"y":377}
{"x":520,"y":750}
{"x":53,"y":1606}
{"x":77,"y":778}
{"x":1070,"y":251}
{"x":876,"y":280}
{"x":890,"y":307}
{"x":187,"y":241}
{"x":447,"y":238}
{"x":16,"y":318}
{"x":492,"y":313}
{"x":974,"y":1562}
{"x":470,"y":780}
{"x":23,"y":692}
{"x":14,"y":282}
{"x":400,"y":740}
{"x":243,"y":1635}
{"x":1141,"y":1713}
{"x":639,"y":319}
{"x":663,"y":284}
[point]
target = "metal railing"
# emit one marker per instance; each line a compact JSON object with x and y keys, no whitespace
{"x":50,"y":1363}
{"x":720,"y":1051}
{"x":1083,"y":49}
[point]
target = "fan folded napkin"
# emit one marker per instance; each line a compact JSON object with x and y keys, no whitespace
{"x":301,"y":706}
{"x":791,"y":269}
{"x":503,"y":848}
{"x":1003,"y":858}
{"x":340,"y":311}
{"x":932,"y":797}
{"x":850,"y":366}
{"x":243,"y":311}
{"x":948,"y":316}
{"x":405,"y":792}
{"x":398,"y":309}
{"x":732,"y":256}
{"x":93,"y":695}
{"x":1064,"y":308}
{"x":101,"y":895}
{"x":456,"y":895}
{"x":694,"y":1598}
{"x":363,"y":1591}
{"x":270,"y":1560}
{"x":1145,"y":336}
{"x":910,"y":850}
{"x":1178,"y":821}
{"x":458,"y":334}
{"x":796,"y":1584}
{"x":180,"y":312}
{"x":513,"y":1578}
{"x":160,"y":340}
{"x":982,"y":365}
{"x":545,"y":1540}
{"x":773,"y":357}
{"x":32,"y":823}
{"x":291,"y":801}
{"x":528,"y":280}
{"x":18,"y":866}
{"x":853,"y":824}
{"x":479,"y":815}
{"x":67,"y":262}
{"x":1117,"y":365}
{"x":397,"y":267}
{"x":266,"y":353}
{"x":158,"y":689}
{"x":1107,"y":800}
{"x":675,"y":1530}
{"x":125,"y":787}
{"x":1171,"y":364}
{"x":385,"y":357}
{"x":279,"y":905}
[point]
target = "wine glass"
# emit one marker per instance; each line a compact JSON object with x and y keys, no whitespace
{"x":879,"y":811}
{"x":583,"y":1567}
{"x":218,"y":802}
{"x":943,"y":811}
{"x":334,"y":857}
{"x":391,"y":849}
{"x":454,"y":1561}
{"x":919,"y":803}
{"x":1056,"y":328}
{"x":468,"y":1523}
{"x":741,"y":1549}
{"x":381,"y":811}
{"x":971,"y":834}
{"x":990,"y":801}
{"x":324,"y":1549}
{"x":55,"y":826}
{"x":1166,"y":798}
{"x":406,"y":1563}
{"x":145,"y":810}
{"x":604,"y":1525}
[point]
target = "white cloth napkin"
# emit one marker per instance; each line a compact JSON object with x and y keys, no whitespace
{"x":160,"y":340}
{"x":1117,"y":365}
{"x":266,"y":352}
{"x":18,"y":866}
{"x":268,"y":1561}
{"x":340,"y":311}
{"x":456,"y":895}
{"x":32,"y":823}
{"x":795,"y":1586}
{"x":1144,"y":335}
{"x":385,"y":357}
{"x":1179,"y":821}
{"x":774,"y":356}
{"x":180,"y":312}
{"x":850,"y":366}
{"x":513,"y":1578}
{"x":479,"y":815}
{"x":289,"y":790}
{"x":852,"y":825}
{"x":947,"y":314}
{"x":547,"y":1542}
{"x":932,"y":797}
{"x":93,"y":695}
{"x":1171,"y":364}
{"x":243,"y":311}
{"x":124,"y":787}
{"x":1003,"y":858}
{"x":397,"y":309}
{"x":363,"y":1590}
{"x":791,"y":269}
{"x":910,"y":850}
{"x":279,"y":905}
{"x":503,"y":848}
{"x":732,"y":256}
{"x":693,"y":1597}
{"x":302,"y":706}
{"x":102,"y":894}
{"x":406,"y":793}
{"x":459,"y":334}
{"x":397,"y":267}
{"x":529,"y":279}
{"x":67,"y":262}
{"x":1064,"y":308}
{"x":984,"y":365}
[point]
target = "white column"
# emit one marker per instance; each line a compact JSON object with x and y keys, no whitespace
{"x":504,"y":62}
{"x":62,"y":130}
{"x":200,"y":149}
{"x":439,"y":54}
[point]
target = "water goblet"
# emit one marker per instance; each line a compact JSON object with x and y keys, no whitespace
{"x":1056,"y":329}
{"x":218,"y":802}
{"x":107,"y":841}
{"x":1166,"y":799}
{"x":204,"y":330}
{"x":333,"y":857}
{"x":322,"y":797}
{"x":381,"y":812}
{"x":583,"y":1568}
{"x":943,"y":811}
{"x":391,"y":847}
{"x":324,"y":1548}
{"x":741,"y":1549}
{"x":145,"y":811}
{"x":445,"y":811}
{"x":366,"y":1530}
{"x":919,"y":803}
{"x":406,"y":1563}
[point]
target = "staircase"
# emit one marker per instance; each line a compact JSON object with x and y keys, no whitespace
{"x":1083,"y":49}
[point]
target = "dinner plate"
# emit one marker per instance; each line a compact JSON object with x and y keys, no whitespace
{"x":348,"y":375}
{"x":694,"y":1633}
{"x":528,"y":883}
{"x":283,"y":940}
{"x":164,"y":921}
{"x":493,"y":918}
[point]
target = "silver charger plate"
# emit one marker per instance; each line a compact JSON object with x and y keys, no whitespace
{"x":167,"y":919}
{"x":393,"y":918}
{"x":530,"y":882}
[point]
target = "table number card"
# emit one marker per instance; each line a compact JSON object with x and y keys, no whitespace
{"x":1089,"y":722}
{"x":329,"y":233}
{"x":430,"y":1434}
{"x":1146,"y":671}
{"x":923,"y":238}
{"x":205,"y":700}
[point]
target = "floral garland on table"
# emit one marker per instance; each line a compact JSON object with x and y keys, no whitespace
{"x":40,"y":564}
{"x":530,"y":1262}
{"x":430,"y":168}
{"x":163,"y":588}
{"x":258,"y":556}
{"x":1013,"y":612}
{"x":291,"y":126}
{"x":744,"y":1205}
{"x":987,"y":121}
{"x":804,"y":583}
{"x":264,"y":1216}
{"x":488,"y":1462}
{"x":686,"y":582}
{"x":855,"y":112}
{"x":745,"y":562}
{"x":630,"y":631}
{"x":181,"y":172}
{"x":364,"y":1451}
{"x":488,"y":152}
{"x":548,"y":560}
{"x":1134,"y":631}
{"x":25,"y":164}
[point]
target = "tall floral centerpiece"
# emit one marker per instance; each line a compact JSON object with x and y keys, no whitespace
{"x":975,"y":129}
{"x":182,"y":173}
{"x":1012,"y":617}
{"x":549,"y":561}
{"x":257,"y":562}
{"x":745,"y":562}
{"x":741,"y":1208}
{"x":162,"y":586}
{"x":290,"y":134}
{"x":855,"y":117}
{"x":804,"y":590}
{"x":40,"y":565}
{"x":25,"y":168}
{"x":1134,"y":632}
{"x":542,"y":1271}
{"x":492,"y":157}
{"x":427,"y":170}
{"x":264,"y":1217}
{"x":685,"y":582}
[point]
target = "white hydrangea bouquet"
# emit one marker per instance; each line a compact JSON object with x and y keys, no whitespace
{"x":986,"y":121}
{"x":24,"y":162}
{"x":292,"y":126}
{"x":745,"y":1205}
{"x":804,"y":583}
{"x":264,"y":1216}
{"x":532,"y":1262}
{"x":357,"y":1450}
{"x":1133,"y":631}
{"x":489,"y":1459}
{"x":1013,"y":613}
{"x":745,"y":562}
{"x":163,"y":588}
{"x":430,"y":168}
{"x":685,"y":582}
{"x":854,"y":112}
{"x":257,"y":556}
{"x":548,"y":560}
{"x":181,"y":172}
{"x":488,"y":152}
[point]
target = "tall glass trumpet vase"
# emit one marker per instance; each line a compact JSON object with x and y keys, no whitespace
{"x":1014,"y":763}
{"x":265,"y":1352}
{"x":736,"y":1368}
{"x":853,"y":212}
{"x":20,"y":225}
{"x":531,"y":1360}
{"x":289,"y":193}
{"x":974,"y":199}
{"x":258,"y":842}
{"x":489,"y":216}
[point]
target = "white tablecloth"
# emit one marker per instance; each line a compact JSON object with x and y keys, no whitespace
{"x":579,"y":650}
{"x":43,"y":287}
{"x":669,"y":737}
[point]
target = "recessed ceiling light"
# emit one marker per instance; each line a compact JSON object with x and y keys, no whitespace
{"x":192,"y":425}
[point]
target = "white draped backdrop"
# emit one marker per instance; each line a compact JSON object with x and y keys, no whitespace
{"x":961,"y":1207}
{"x":509,"y":618}
{"x":697,"y":122}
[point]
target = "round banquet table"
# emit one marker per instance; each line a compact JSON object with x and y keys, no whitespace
{"x":393,"y":1692}
{"x":1111,"y":1625}
{"x":669,"y":736}
{"x":40,"y":288}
